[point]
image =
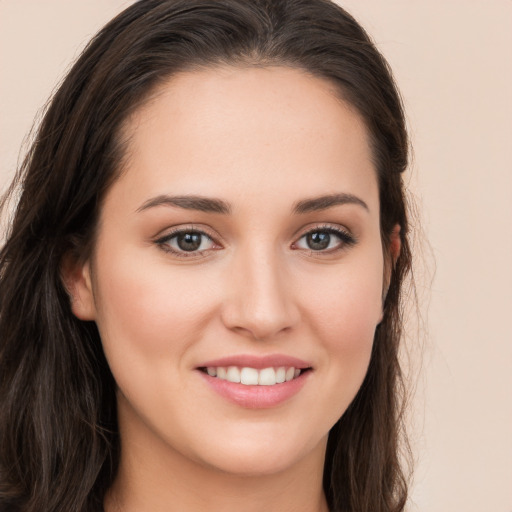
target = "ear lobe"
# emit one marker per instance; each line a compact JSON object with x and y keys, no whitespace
{"x":395,"y":244}
{"x":390,"y":259}
{"x":76,"y":277}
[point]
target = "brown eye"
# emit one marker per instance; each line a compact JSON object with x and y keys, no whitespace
{"x":318,"y":241}
{"x":325,"y":240}
{"x":182,"y":242}
{"x":189,"y":241}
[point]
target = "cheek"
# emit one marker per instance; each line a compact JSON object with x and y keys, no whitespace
{"x":346,"y":304}
{"x":343,"y":316}
{"x":147,"y":311}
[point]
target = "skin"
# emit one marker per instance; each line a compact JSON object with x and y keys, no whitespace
{"x":261,"y":140}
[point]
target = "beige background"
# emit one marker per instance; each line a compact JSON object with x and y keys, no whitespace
{"x":452,"y":60}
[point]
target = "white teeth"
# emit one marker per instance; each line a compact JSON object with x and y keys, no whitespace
{"x":252,"y":377}
{"x":290,"y":373}
{"x":267,"y":377}
{"x":280,"y":374}
{"x":249,"y":376}
{"x":233,"y":374}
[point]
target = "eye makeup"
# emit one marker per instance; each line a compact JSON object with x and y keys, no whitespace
{"x":190,"y":241}
{"x":322,"y":239}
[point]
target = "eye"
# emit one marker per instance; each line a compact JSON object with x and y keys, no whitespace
{"x":325,"y":240}
{"x":186,"y":242}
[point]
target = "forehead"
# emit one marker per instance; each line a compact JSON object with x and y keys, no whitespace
{"x":246,"y":130}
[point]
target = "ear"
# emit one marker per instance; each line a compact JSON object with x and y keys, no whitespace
{"x":395,"y":244}
{"x":390,"y":258}
{"x":76,"y":277}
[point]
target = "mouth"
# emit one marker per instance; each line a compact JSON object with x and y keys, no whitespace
{"x":249,"y":376}
{"x":256,"y":382}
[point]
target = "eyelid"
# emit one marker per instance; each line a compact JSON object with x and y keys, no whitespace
{"x":347,"y":239}
{"x":161,"y":240}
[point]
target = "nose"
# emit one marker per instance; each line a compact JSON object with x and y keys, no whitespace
{"x":259,"y":302}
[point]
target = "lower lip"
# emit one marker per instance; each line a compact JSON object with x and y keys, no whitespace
{"x":256,"y":397}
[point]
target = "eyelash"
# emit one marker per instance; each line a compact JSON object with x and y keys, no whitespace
{"x":346,"y":240}
{"x":163,"y":242}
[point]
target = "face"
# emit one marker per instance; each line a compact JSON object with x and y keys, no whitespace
{"x":241,"y":242}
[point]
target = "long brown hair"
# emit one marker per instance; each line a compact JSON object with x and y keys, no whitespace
{"x":59,"y":446}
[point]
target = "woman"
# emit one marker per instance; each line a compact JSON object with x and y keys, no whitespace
{"x":200,"y":288}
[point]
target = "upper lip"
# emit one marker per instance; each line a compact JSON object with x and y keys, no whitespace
{"x":257,"y":362}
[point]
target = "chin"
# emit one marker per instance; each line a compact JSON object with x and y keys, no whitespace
{"x":252,"y":456}
{"x":252,"y":465}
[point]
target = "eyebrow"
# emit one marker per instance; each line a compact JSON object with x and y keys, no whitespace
{"x":212,"y":205}
{"x":324,"y":202}
{"x":200,"y":203}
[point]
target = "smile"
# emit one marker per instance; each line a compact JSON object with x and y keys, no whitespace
{"x":256,"y":381}
{"x":253,"y":376}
